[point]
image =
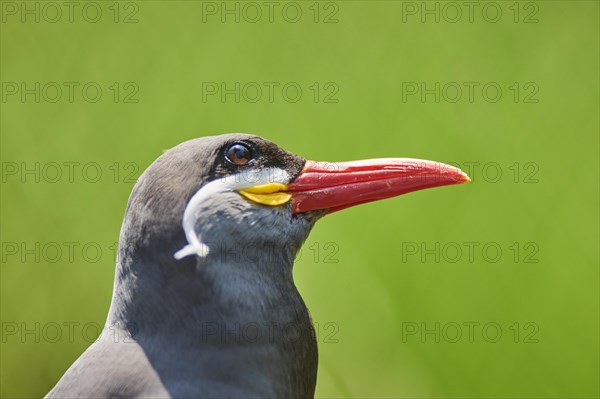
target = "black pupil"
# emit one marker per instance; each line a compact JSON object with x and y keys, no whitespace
{"x":238,"y":154}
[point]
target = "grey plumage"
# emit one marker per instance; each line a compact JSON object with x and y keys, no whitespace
{"x":231,"y":324}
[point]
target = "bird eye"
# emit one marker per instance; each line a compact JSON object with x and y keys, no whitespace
{"x":239,"y":154}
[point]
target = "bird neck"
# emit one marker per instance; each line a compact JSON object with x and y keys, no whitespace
{"x":156,"y":294}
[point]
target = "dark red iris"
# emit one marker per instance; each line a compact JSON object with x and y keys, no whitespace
{"x":239,"y":154}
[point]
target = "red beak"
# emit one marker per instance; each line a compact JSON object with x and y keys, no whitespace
{"x":338,"y":185}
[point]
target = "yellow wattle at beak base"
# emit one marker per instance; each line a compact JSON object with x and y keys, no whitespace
{"x":272,"y":194}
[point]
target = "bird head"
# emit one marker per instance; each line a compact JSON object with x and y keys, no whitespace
{"x":234,"y":194}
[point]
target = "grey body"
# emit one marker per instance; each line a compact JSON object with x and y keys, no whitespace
{"x":229,"y":325}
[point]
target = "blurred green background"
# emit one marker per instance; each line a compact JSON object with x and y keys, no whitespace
{"x":403,"y":308}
